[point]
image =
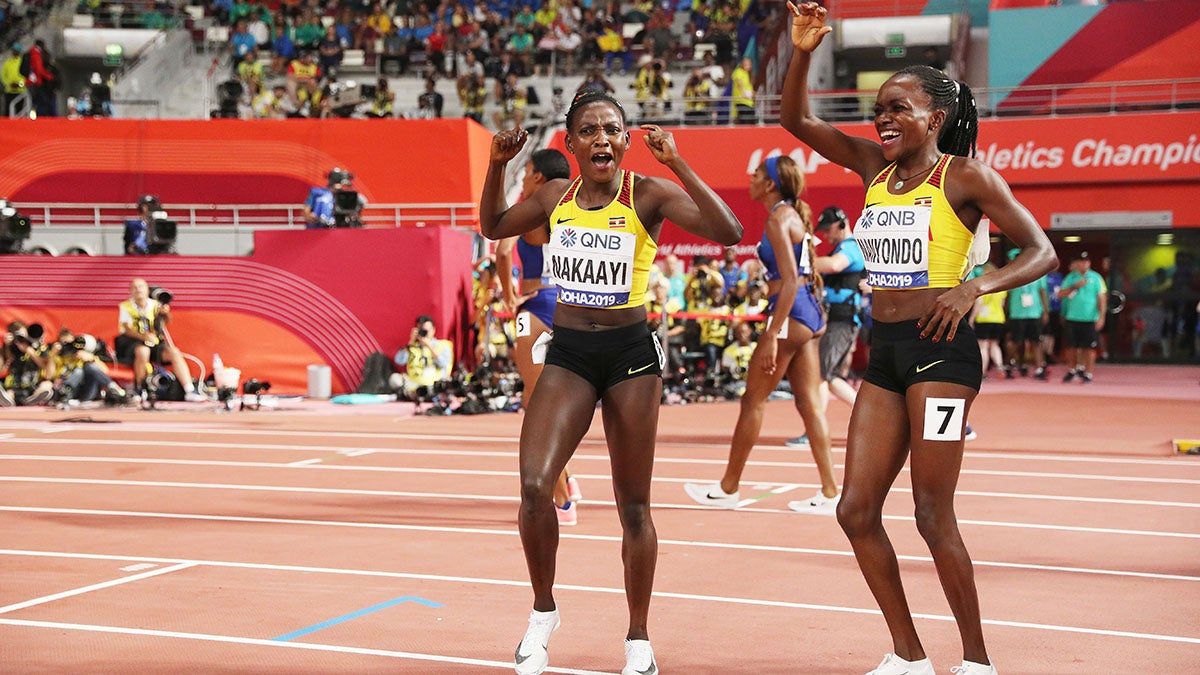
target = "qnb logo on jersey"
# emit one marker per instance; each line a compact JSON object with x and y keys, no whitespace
{"x":895,"y":218}
{"x":568,"y":237}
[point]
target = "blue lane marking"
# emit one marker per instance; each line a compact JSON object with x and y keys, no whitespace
{"x":354,"y":615}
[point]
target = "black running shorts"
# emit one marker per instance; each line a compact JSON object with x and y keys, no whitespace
{"x":900,"y":358}
{"x":604,"y":358}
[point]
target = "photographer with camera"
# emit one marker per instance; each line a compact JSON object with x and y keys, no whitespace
{"x":151,"y":233}
{"x":336,"y":205}
{"x":27,"y":381}
{"x":143,"y":339}
{"x":425,"y":360}
{"x":80,"y":375}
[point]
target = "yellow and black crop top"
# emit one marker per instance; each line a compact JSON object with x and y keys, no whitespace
{"x":914,"y":240}
{"x":600,"y":258}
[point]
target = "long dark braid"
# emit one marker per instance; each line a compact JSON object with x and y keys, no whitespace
{"x":958,"y":135}
{"x":790,"y":185}
{"x":587,"y":96}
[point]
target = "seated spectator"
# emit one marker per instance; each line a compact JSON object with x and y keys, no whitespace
{"x":142,"y":340}
{"x":250,"y":72}
{"x":28,"y":374}
{"x":309,"y":31}
{"x":435,"y":47}
{"x":429,"y":102}
{"x":304,"y":84}
{"x":376,"y":25}
{"x":96,"y":99}
{"x":612,"y":46}
{"x":330,"y":51}
{"x":384,"y":101}
{"x":396,"y":42}
{"x":424,"y":360}
{"x":347,"y":28}
{"x":283,"y":50}
{"x":521,"y":44}
{"x":241,"y":42}
{"x":258,"y":24}
{"x":273,"y":103}
{"x":80,"y":375}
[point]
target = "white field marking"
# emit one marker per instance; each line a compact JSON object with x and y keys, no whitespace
{"x":138,"y":567}
{"x":606,"y":590}
{"x":516,"y":498}
{"x":95,"y":587}
{"x":412,"y":656}
{"x":773,"y":488}
{"x":169,"y":428}
{"x":344,"y":450}
{"x":580,"y":537}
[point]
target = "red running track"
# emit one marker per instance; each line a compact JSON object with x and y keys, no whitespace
{"x":313,"y":539}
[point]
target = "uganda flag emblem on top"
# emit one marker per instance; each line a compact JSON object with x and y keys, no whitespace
{"x":923,"y":201}
{"x":616,"y":223}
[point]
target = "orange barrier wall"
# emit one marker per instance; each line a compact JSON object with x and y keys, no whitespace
{"x":309,"y":297}
{"x":239,"y":161}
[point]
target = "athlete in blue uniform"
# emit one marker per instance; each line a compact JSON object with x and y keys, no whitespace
{"x":789,"y":346}
{"x":604,"y":229}
{"x":533,"y":303}
{"x":925,"y":199}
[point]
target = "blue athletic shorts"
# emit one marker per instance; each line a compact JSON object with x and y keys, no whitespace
{"x":805,"y":309}
{"x":542,"y":305}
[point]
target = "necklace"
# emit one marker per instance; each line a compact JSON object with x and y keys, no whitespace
{"x":901,"y":180}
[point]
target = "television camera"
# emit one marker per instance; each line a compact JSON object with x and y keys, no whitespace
{"x":15,"y":228}
{"x":343,"y":98}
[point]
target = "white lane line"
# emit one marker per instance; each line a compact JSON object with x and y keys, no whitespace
{"x":186,"y":429}
{"x":581,"y":537}
{"x":95,"y":587}
{"x":341,"y":449}
{"x":412,"y":656}
{"x":515,"y":498}
{"x":318,"y":463}
{"x":621,"y":591}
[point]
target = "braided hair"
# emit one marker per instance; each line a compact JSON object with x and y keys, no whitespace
{"x":588,"y":96}
{"x":961,"y":130}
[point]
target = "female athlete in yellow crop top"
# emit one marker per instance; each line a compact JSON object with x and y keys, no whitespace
{"x":604,"y":228}
{"x":921,"y":210}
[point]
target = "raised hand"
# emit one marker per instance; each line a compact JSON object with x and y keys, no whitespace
{"x":506,"y":144}
{"x":661,"y":143}
{"x":808,"y":25}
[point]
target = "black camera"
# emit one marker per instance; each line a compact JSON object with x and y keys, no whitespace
{"x":160,"y":233}
{"x":161,"y":295}
{"x":346,"y":209}
{"x":15,"y":228}
{"x":81,"y":343}
{"x":253,"y":387}
{"x":423,"y":332}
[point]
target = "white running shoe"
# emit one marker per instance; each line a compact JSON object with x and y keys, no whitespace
{"x":973,"y":668}
{"x":568,"y":514}
{"x":573,"y":492}
{"x":639,"y":658}
{"x":711,"y":494}
{"x":531,"y":657}
{"x":819,"y":505}
{"x":894,"y":665}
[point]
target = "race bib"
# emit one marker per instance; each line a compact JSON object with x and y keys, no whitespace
{"x":895,"y":245}
{"x":944,"y":419}
{"x":592,"y":268}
